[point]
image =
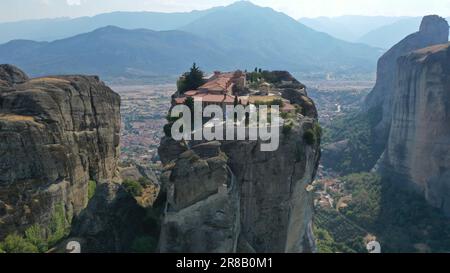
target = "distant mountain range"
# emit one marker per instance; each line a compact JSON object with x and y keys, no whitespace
{"x":350,"y":27}
{"x":241,"y":35}
{"x":376,"y":31}
{"x":60,"y":28}
{"x":389,"y":35}
{"x":113,"y":51}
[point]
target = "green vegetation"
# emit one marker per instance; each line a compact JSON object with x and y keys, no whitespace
{"x":133,"y":187}
{"x":402,"y":221}
{"x":314,"y":135}
{"x":144,"y":181}
{"x":59,"y":227}
{"x":299,"y":109}
{"x":364,"y":149}
{"x":145,"y":244}
{"x":254,"y":76}
{"x":39,"y":239}
{"x":17,"y":244}
{"x":92,"y":186}
{"x":335,"y":235}
{"x":191,"y":80}
{"x":287,"y":128}
{"x":278,"y":102}
{"x":190,"y":103}
{"x":365,"y":189}
{"x":36,"y":236}
{"x":272,"y":77}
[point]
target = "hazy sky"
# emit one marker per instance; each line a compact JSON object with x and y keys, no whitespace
{"x":14,"y":10}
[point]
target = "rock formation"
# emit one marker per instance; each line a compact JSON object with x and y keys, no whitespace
{"x":418,"y":149}
{"x":56,"y":134}
{"x":228,"y":196}
{"x":111,"y":222}
{"x":433,"y":30}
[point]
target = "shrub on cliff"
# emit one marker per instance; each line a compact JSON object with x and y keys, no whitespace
{"x":59,"y":227}
{"x":16,"y":244}
{"x":313,"y":136}
{"x":287,"y":128}
{"x":92,"y":186}
{"x":36,"y":236}
{"x":133,"y":187}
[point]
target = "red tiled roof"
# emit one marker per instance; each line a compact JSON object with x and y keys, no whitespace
{"x":219,"y":82}
{"x":180,"y":100}
{"x":208,"y":98}
{"x":191,"y":93}
{"x":213,"y":98}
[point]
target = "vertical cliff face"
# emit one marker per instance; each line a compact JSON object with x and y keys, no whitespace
{"x":56,"y":134}
{"x":229,"y":196}
{"x":276,"y":208}
{"x":433,"y":30}
{"x":418,"y":149}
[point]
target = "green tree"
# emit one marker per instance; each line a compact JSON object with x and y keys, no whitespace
{"x":36,"y":236}
{"x":190,"y":103}
{"x":191,"y":80}
{"x":16,"y":244}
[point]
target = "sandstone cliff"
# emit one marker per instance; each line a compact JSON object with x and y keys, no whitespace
{"x":56,"y":134}
{"x":433,"y":30}
{"x":418,"y":149}
{"x":228,"y":196}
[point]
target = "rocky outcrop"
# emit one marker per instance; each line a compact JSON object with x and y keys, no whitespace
{"x":10,"y":75}
{"x":433,"y":30}
{"x":229,"y":196}
{"x":418,"y":149}
{"x":202,"y":211}
{"x":56,"y":134}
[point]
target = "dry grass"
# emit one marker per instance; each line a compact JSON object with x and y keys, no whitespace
{"x":15,"y":118}
{"x":433,"y":49}
{"x":262,"y":99}
{"x":48,"y":80}
{"x":148,"y":197}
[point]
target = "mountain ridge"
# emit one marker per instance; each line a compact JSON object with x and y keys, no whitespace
{"x":266,"y":38}
{"x":64,"y":27}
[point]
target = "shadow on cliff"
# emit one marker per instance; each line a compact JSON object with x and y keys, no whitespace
{"x":407,"y":223}
{"x":115,"y":222}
